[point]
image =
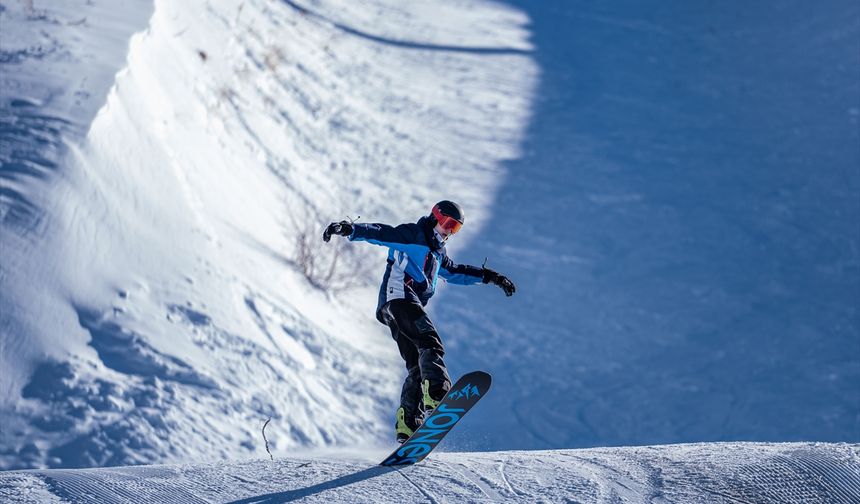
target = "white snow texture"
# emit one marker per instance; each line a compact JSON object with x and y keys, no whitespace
{"x":695,"y":473}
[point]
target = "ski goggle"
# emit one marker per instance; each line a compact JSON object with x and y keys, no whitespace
{"x":449,"y":224}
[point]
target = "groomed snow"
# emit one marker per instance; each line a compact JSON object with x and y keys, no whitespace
{"x":713,"y":473}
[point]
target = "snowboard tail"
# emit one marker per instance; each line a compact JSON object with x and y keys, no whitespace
{"x":464,"y":394}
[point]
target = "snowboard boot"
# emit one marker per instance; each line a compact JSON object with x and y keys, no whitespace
{"x":404,"y":425}
{"x":430,"y":400}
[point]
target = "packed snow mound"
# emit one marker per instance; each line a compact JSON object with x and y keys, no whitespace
{"x":684,"y":474}
{"x":165,"y":288}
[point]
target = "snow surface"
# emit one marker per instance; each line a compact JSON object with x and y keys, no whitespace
{"x":153,"y":305}
{"x":707,"y":473}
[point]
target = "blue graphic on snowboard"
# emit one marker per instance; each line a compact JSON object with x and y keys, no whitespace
{"x":465,"y":393}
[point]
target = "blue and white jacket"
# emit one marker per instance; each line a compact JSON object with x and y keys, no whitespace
{"x":416,"y":258}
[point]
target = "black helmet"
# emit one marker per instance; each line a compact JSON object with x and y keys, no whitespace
{"x":449,"y":215}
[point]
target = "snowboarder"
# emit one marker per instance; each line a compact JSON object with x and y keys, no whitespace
{"x":416,"y":255}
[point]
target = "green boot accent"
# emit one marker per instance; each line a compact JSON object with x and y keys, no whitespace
{"x":402,"y":430}
{"x":429,"y":403}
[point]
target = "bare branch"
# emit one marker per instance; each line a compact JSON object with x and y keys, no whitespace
{"x":266,"y":440}
{"x":330,"y":267}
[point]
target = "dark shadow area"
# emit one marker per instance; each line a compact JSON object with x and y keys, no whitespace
{"x":95,"y":410}
{"x":30,"y":149}
{"x":403,"y":44}
{"x":682,"y":228}
{"x":291,"y":495}
{"x":127,"y":352}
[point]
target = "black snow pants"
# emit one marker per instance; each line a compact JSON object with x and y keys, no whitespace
{"x":421,"y":348}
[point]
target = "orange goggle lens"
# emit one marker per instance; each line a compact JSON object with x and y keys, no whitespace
{"x":449,"y":224}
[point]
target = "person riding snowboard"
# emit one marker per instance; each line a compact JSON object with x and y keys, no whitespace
{"x":416,"y":255}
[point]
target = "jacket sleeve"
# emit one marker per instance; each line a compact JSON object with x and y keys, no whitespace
{"x":461,"y":274}
{"x":398,"y":238}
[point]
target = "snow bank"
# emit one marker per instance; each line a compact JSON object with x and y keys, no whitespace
{"x":154,"y":307}
{"x":698,"y":473}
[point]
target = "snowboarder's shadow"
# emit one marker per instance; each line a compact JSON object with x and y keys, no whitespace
{"x":291,"y":495}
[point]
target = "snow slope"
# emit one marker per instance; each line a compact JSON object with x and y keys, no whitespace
{"x":153,"y":301}
{"x":698,"y":473}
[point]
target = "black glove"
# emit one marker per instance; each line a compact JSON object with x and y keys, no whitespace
{"x":502,"y":281}
{"x":342,"y":228}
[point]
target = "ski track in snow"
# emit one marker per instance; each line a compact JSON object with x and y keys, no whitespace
{"x":478,"y":480}
{"x":750,"y":473}
{"x":425,"y":493}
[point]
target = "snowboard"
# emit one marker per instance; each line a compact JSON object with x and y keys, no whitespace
{"x":463,"y":395}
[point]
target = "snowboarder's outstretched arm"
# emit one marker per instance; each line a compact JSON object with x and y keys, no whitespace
{"x":460,"y":274}
{"x":463,"y":274}
{"x":397,"y":238}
